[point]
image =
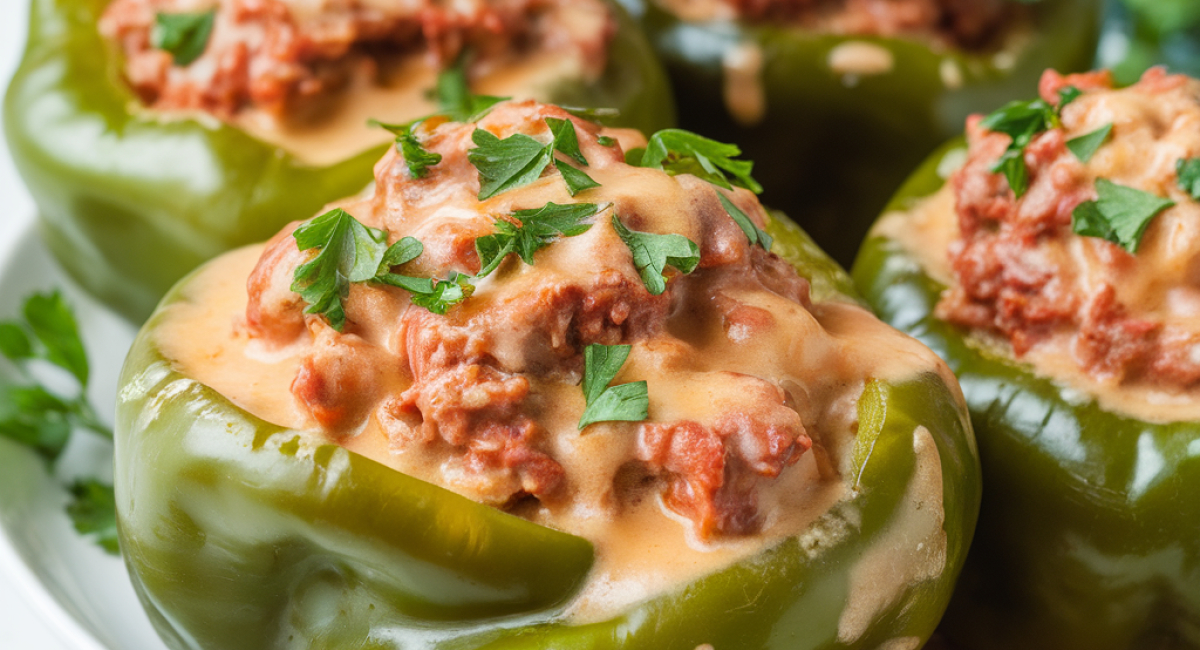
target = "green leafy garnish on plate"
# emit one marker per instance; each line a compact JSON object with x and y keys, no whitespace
{"x":43,"y":419}
{"x":652,"y":253}
{"x":183,"y":35}
{"x":625,"y":402}
{"x":1120,"y":215}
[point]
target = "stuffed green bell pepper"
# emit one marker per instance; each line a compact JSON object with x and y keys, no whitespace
{"x":838,"y":101}
{"x":525,"y":394}
{"x":152,"y":140}
{"x":1054,"y":272}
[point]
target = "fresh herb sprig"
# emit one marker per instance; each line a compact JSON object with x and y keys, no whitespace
{"x":350,"y":252}
{"x":624,"y":402}
{"x":535,"y":229}
{"x":652,"y":253}
{"x":1120,"y":215}
{"x":1086,"y":145}
{"x":1021,"y":121}
{"x":1187,"y":172}
{"x":183,"y":35}
{"x":676,"y":151}
{"x":42,"y":419}
{"x":518,"y":160}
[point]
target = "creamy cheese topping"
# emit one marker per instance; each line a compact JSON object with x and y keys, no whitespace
{"x":738,"y":362}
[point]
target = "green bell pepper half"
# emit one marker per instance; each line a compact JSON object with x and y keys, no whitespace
{"x":131,"y":203}
{"x":1089,"y":534}
{"x":240,"y":534}
{"x":830,"y":150}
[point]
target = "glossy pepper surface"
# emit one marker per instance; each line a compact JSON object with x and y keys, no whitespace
{"x":832,"y":147}
{"x":1089,"y":535}
{"x":131,"y":202}
{"x":240,"y":534}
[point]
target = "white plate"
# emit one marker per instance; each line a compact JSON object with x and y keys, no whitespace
{"x":82,"y":593}
{"x":57,"y":591}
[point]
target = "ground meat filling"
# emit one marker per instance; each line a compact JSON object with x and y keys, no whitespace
{"x":1022,"y":274}
{"x":968,"y":24}
{"x":286,"y":57}
{"x":472,"y":394}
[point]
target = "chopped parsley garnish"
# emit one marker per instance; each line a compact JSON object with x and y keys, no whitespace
{"x":455,"y":99}
{"x":183,"y":35}
{"x":416,"y":157}
{"x":352,"y":252}
{"x":513,"y":162}
{"x":1021,"y":121}
{"x":625,"y":402}
{"x":605,"y":141}
{"x":537,"y":228}
{"x":653,"y":253}
{"x":1120,"y":214}
{"x":756,"y":235}
{"x":43,"y":420}
{"x":1188,"y":172}
{"x":519,"y":160}
{"x":676,"y":151}
{"x":1085,"y":146}
{"x":93,"y":512}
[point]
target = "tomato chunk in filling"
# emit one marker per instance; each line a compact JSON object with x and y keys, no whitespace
{"x":1023,"y":274}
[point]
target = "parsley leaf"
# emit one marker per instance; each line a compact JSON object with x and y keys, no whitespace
{"x":605,"y":141}
{"x":626,"y":402}
{"x":416,"y":157}
{"x":1120,"y":214}
{"x":444,"y":294}
{"x":676,"y":151}
{"x":36,"y":417}
{"x":538,"y":228}
{"x":1021,"y":121}
{"x":567,"y":142}
{"x":576,"y":180}
{"x":184,"y":35}
{"x":1188,"y":172}
{"x":455,"y":99}
{"x":352,"y":252}
{"x":93,"y":511}
{"x":348,"y":252}
{"x":507,"y":164}
{"x":1085,"y":146}
{"x":756,"y":235}
{"x":653,"y":253}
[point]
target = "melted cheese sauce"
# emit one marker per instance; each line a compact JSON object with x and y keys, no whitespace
{"x":343,"y":129}
{"x":820,"y":358}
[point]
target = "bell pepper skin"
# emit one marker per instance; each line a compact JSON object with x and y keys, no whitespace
{"x":130,"y":203}
{"x":830,"y":150}
{"x":1089,"y":535}
{"x":243,"y":535}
